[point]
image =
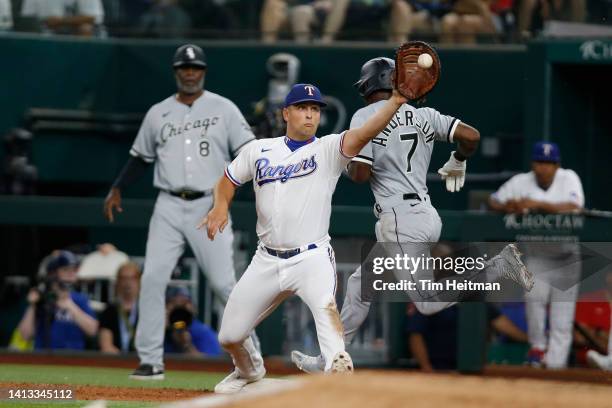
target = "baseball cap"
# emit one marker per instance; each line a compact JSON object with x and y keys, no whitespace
{"x":189,"y":55}
{"x":62,"y":259}
{"x":304,"y":93}
{"x":546,"y":152}
{"x":176,"y":291}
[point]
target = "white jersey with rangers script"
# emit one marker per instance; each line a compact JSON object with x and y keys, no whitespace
{"x":293,"y":187}
{"x":566,"y":187}
{"x":191,"y":145}
{"x":401,"y":153}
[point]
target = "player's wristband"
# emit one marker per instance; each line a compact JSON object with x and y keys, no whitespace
{"x":459,"y":157}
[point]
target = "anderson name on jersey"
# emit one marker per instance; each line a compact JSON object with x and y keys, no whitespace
{"x":401,"y":153}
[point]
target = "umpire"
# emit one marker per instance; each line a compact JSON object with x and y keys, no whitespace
{"x":190,"y":136}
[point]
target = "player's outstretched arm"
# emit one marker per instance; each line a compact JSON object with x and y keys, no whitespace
{"x":217,"y":218}
{"x":356,"y":139}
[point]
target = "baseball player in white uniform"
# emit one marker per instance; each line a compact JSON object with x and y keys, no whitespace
{"x":396,"y":163}
{"x":190,"y":137}
{"x":294,"y":178}
{"x":551,"y":189}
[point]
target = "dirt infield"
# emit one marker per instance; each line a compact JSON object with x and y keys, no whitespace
{"x":585,"y":375}
{"x":388,"y":389}
{"x":90,"y":392}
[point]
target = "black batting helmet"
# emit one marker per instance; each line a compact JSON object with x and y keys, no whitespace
{"x":375,"y":76}
{"x":189,"y":55}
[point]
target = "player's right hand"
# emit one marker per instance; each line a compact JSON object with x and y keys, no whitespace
{"x":112,"y":202}
{"x":215,"y":221}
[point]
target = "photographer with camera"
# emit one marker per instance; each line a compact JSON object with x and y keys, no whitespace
{"x":57,"y":316}
{"x":185,"y":333}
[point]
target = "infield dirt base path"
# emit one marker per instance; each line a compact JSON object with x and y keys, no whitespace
{"x":90,"y":392}
{"x":389,"y":389}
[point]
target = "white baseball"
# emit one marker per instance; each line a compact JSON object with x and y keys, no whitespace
{"x":425,"y":61}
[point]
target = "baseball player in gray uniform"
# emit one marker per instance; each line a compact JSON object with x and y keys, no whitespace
{"x":190,"y":136}
{"x":396,"y":164}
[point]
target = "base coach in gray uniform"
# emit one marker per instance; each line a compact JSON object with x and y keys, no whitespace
{"x":190,"y":137}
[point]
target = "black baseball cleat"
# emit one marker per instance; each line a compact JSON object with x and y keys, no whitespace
{"x":147,"y":372}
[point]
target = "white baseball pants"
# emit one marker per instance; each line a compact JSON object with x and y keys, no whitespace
{"x":269,"y":280}
{"x":561,"y":302}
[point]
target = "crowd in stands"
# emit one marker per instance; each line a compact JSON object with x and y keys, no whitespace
{"x":61,"y":315}
{"x":305,"y":21}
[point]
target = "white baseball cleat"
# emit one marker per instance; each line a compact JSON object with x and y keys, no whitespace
{"x":598,"y":360}
{"x":308,"y":364}
{"x":234,"y":382}
{"x":513,"y":268}
{"x":342,"y":364}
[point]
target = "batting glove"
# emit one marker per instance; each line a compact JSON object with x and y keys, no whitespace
{"x":453,"y":172}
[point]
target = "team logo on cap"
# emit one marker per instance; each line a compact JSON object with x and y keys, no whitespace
{"x":190,"y":53}
{"x":310,"y":89}
{"x":547,"y":149}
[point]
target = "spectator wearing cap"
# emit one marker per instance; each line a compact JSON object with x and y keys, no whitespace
{"x":58,"y":317}
{"x":119,"y":319}
{"x":184,"y":332}
{"x":547,"y":188}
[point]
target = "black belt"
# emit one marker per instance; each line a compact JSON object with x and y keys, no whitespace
{"x":412,"y":196}
{"x":189,"y":195}
{"x":290,"y":252}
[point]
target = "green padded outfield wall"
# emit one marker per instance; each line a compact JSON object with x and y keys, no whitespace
{"x":482,"y":86}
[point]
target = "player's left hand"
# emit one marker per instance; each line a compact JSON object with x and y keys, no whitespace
{"x":215,"y":221}
{"x":453,"y":172}
{"x":398,"y":98}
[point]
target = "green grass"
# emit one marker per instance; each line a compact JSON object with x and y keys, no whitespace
{"x":106,"y":377}
{"x":98,"y":376}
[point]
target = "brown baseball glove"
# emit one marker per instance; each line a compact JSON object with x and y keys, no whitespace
{"x":411,"y":80}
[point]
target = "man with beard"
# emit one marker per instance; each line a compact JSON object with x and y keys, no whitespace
{"x":190,"y":137}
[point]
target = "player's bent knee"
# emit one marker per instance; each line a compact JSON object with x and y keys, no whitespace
{"x":230,"y":340}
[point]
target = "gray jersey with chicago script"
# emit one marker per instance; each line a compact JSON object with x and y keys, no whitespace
{"x":191,"y":145}
{"x":401,"y":153}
